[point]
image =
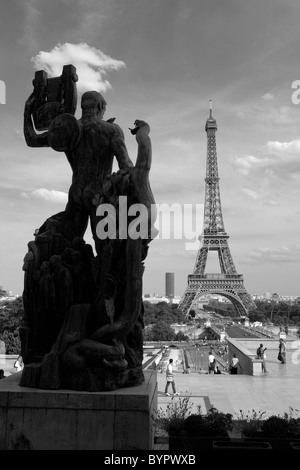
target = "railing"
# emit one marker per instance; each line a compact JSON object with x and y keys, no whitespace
{"x":216,"y":276}
{"x":262,"y":331}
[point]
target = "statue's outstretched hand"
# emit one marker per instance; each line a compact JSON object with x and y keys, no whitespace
{"x":140,"y":125}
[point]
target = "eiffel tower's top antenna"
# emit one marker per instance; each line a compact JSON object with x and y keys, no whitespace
{"x":211,"y":123}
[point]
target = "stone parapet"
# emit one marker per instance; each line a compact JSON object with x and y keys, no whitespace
{"x":75,"y":420}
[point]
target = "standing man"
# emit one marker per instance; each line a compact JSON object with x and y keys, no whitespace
{"x":235,"y":363}
{"x":211,"y":362}
{"x":170,"y":378}
{"x":282,"y":351}
{"x":261,"y":355}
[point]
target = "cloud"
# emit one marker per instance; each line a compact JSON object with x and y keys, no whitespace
{"x":49,"y":195}
{"x":247,"y":163}
{"x":270,"y":202}
{"x":92,"y":65}
{"x":281,"y":159}
{"x":284,"y":149}
{"x":282,"y":254}
{"x":29,"y":24}
{"x":267,"y":97}
{"x":261,"y":198}
{"x":251,"y":194}
{"x":179,"y":143}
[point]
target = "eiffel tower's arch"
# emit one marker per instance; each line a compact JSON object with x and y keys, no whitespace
{"x":229,"y":286}
{"x":230,"y":295}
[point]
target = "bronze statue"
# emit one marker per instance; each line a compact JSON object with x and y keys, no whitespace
{"x":83,"y":311}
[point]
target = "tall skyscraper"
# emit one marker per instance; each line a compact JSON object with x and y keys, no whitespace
{"x":170,"y":285}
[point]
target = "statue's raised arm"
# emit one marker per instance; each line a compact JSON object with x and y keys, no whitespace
{"x":32,"y":138}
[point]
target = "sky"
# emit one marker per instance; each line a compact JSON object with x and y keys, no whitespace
{"x":162,"y":61}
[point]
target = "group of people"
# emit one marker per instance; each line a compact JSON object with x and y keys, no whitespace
{"x":261,"y":354}
{"x":234,"y":365}
{"x":233,"y":368}
{"x":213,"y":368}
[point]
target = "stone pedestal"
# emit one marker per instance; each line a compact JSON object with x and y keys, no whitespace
{"x":70,"y":420}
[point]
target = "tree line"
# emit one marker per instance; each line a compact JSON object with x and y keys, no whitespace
{"x":158,"y":319}
{"x":279,"y":313}
{"x":11,"y":316}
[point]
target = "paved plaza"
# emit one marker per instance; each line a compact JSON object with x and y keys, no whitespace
{"x":274,"y":392}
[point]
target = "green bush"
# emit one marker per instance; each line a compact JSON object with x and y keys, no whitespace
{"x":214,"y":423}
{"x":275,"y":426}
{"x":177,"y":420}
{"x":250,"y":423}
{"x":194,"y":426}
{"x":217,"y":423}
{"x":281,"y":426}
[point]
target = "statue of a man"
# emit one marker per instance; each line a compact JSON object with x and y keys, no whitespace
{"x":90,"y":156}
{"x":84,"y":314}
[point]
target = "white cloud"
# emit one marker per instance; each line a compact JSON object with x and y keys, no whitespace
{"x":284,"y":149}
{"x":49,"y":195}
{"x":247,"y":163}
{"x":271,"y":202}
{"x":278,"y":158}
{"x":277,"y":255}
{"x":91,"y":64}
{"x":267,"y":97}
{"x":251,"y":194}
{"x":262,"y":198}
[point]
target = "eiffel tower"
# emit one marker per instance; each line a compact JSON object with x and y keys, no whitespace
{"x":228,"y":283}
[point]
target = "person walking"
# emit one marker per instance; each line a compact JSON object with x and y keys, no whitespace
{"x":282,"y":351}
{"x":261,"y":355}
{"x":170,"y":378}
{"x":2,"y":376}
